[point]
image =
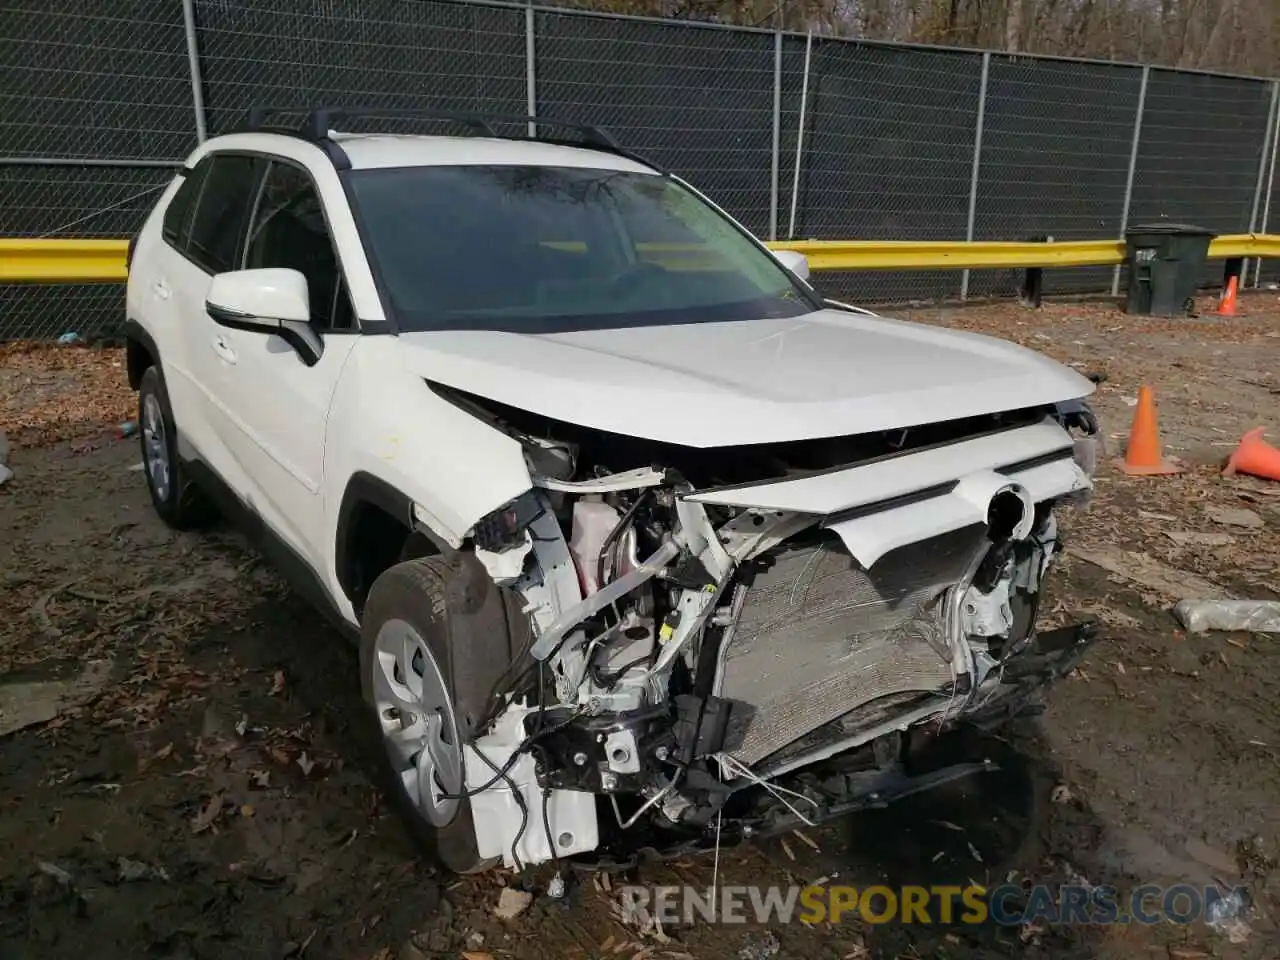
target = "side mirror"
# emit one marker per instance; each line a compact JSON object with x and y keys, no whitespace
{"x":796,"y":262}
{"x":272,"y":301}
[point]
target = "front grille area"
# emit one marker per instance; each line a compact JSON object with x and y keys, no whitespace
{"x":818,"y":636}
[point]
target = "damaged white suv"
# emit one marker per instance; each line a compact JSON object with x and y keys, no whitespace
{"x":646,"y":544}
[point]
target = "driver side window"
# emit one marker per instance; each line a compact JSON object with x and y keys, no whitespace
{"x":289,"y":230}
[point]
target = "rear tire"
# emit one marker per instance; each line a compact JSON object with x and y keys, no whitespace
{"x":177,"y":500}
{"x":434,"y":641}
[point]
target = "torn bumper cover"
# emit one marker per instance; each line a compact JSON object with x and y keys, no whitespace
{"x":800,"y":619}
{"x":875,"y":507}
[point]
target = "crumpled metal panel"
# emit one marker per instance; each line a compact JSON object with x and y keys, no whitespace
{"x":819,"y":636}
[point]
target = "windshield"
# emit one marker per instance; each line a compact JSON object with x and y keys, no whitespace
{"x":537,"y":249}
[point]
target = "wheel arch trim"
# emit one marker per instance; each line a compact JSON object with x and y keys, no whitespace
{"x":136,"y":333}
{"x":365,"y":488}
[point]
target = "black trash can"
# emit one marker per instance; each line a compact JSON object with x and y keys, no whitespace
{"x":1165,"y":262}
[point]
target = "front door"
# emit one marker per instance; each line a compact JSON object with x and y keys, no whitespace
{"x":277,"y":406}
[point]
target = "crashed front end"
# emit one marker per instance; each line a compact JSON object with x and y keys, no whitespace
{"x":739,"y":641}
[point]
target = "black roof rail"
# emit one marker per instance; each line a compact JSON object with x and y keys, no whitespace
{"x":318,"y":121}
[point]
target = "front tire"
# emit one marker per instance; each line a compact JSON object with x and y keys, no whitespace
{"x":176,"y":499}
{"x":435,"y":639}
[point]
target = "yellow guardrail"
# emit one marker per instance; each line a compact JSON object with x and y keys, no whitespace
{"x":92,"y":261}
{"x":1245,"y":245}
{"x":948,"y":255}
{"x":62,"y":261}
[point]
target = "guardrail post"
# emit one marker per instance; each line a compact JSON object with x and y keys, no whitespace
{"x":804,"y":116}
{"x":777,"y":134}
{"x":1262,"y":162}
{"x":1234,"y":269}
{"x":193,"y":66}
{"x":1133,"y":168}
{"x":1032,"y":292}
{"x":977,"y":164}
{"x":1271,"y":174}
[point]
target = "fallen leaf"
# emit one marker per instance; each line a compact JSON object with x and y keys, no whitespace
{"x":949,"y":825}
{"x":246,"y":810}
{"x":786,"y":848}
{"x":1060,"y":794}
{"x":130,"y":870}
{"x":476,"y":955}
{"x":307,"y":942}
{"x":657,"y":932}
{"x":260,"y":778}
{"x":974,"y":852}
{"x":1139,"y":568}
{"x":206,"y":817}
{"x":1220,"y":860}
{"x":306,"y":764}
{"x":1235,"y":517}
{"x":1193,"y":538}
{"x":242,"y":725}
{"x":54,"y":871}
{"x":512,"y":903}
{"x":277,"y":683}
{"x":278,"y":755}
{"x":805,"y":838}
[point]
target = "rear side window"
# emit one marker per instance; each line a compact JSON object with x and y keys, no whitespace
{"x":220,"y":214}
{"x":177,"y":218}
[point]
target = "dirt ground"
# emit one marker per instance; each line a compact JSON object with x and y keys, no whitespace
{"x":202,"y":790}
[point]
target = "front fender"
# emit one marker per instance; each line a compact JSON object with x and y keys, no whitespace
{"x":386,"y":423}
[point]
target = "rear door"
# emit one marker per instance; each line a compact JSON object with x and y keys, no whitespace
{"x":159,"y":272}
{"x":214,"y":243}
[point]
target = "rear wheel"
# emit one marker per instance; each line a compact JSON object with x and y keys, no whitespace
{"x":434,"y":642}
{"x":177,"y":500}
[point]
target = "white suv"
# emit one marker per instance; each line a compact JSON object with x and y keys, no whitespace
{"x":639,"y":535}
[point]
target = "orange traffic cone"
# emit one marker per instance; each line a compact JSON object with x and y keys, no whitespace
{"x":1255,"y":456}
{"x":1227,"y":305}
{"x":1143,"y":457}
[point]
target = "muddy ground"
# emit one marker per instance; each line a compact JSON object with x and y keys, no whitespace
{"x":202,"y":790}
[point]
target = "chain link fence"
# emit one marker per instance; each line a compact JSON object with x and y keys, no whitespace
{"x":796,"y":136}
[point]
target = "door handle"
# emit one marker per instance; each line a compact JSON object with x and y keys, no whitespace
{"x":223,"y":350}
{"x":160,"y":289}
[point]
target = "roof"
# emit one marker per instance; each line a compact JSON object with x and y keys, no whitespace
{"x":376,"y":151}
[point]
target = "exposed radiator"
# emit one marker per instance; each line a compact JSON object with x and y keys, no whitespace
{"x":818,"y":636}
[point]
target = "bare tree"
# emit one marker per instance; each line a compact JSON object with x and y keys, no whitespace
{"x":1013,"y":26}
{"x":1241,"y":36}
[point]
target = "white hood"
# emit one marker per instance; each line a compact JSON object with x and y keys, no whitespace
{"x":825,"y":374}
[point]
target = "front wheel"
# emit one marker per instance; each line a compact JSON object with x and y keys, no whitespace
{"x":434,"y":642}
